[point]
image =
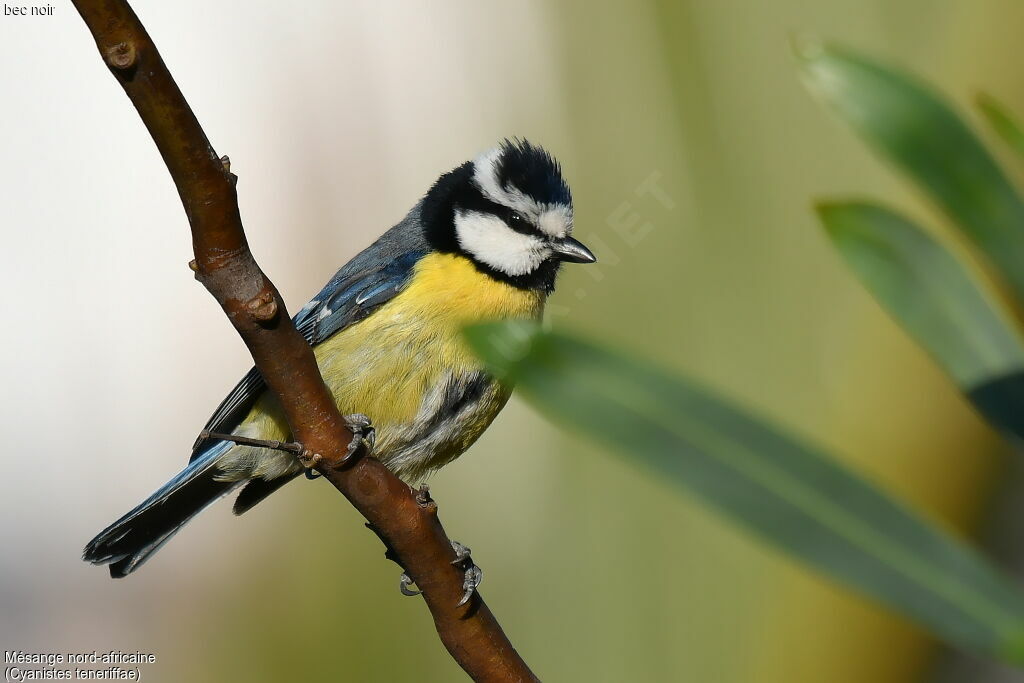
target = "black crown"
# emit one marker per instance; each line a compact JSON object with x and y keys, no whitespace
{"x":533,"y":171}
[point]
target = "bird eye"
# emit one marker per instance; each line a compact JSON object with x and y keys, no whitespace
{"x":519,"y":223}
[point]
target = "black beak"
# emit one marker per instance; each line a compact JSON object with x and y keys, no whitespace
{"x":572,"y":251}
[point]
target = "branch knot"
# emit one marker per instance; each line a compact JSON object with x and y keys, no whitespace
{"x":262,"y":308}
{"x":121,"y":56}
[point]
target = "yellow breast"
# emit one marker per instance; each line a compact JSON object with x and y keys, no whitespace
{"x":384,"y":365}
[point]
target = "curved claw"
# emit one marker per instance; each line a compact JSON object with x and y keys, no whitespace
{"x":462,"y":552}
{"x":474,"y":576}
{"x":403,"y":585}
{"x":363,"y":435}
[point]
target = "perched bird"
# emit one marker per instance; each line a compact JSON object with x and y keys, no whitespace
{"x":485,"y":243}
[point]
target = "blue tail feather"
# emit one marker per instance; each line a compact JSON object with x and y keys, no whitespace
{"x":132,"y":539}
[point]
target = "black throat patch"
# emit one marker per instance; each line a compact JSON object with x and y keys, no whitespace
{"x":455,"y":191}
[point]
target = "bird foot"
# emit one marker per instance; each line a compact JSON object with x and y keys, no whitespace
{"x":472,"y":578}
{"x":363,"y":437}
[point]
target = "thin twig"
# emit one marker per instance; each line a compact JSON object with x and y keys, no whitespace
{"x":224,"y":264}
{"x":292,"y":447}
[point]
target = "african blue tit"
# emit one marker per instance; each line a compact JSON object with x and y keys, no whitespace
{"x":485,"y":243}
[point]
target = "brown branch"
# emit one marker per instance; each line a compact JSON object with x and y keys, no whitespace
{"x":407,"y":523}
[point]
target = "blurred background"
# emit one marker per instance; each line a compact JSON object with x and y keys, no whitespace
{"x":337,"y":117}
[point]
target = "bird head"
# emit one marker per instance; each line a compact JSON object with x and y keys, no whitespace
{"x":509,"y":211}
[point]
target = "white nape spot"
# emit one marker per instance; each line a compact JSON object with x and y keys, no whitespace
{"x":490,"y":241}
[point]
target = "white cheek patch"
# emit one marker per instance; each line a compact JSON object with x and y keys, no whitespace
{"x":490,"y":241}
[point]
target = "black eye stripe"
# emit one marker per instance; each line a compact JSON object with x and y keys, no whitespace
{"x":520,"y":223}
{"x":474,"y":200}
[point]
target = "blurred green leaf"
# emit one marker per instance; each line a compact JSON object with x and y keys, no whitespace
{"x":931,"y":293}
{"x":790,"y":494}
{"x":922,"y":135}
{"x":1002,"y":122}
{"x":938,"y":300}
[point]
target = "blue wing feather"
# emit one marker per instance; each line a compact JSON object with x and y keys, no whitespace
{"x":362,"y":285}
{"x":353,"y":301}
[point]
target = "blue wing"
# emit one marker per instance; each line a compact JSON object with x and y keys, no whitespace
{"x":365,"y":283}
{"x":350,"y":299}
